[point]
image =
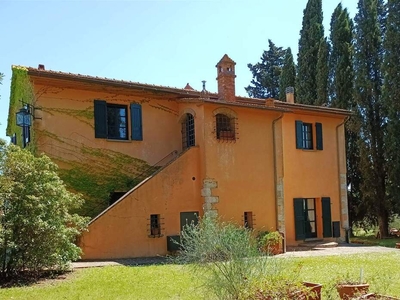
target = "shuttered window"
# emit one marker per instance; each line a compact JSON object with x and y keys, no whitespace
{"x":136,"y":121}
{"x":304,"y":135}
{"x":111,"y":121}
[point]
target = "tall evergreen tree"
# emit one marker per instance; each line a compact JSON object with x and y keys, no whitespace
{"x":266,"y":74}
{"x":368,"y":94}
{"x":322,"y":73}
{"x":288,"y":75}
{"x":341,"y":77}
{"x":341,"y":81}
{"x":310,"y":36}
{"x":391,"y":93}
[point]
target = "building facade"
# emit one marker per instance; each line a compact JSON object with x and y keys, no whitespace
{"x":148,"y":159}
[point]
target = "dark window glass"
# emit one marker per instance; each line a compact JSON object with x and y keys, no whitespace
{"x":188,"y":137}
{"x":248,"y":219}
{"x":225,"y":127}
{"x":155,"y":225}
{"x":117,"y":122}
{"x":307,"y":136}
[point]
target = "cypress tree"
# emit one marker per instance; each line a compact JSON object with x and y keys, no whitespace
{"x":288,"y":75}
{"x":391,"y":94}
{"x":369,"y":26}
{"x":341,"y":77}
{"x":266,"y":74}
{"x":310,"y":36}
{"x":322,"y":73}
{"x":341,"y":81}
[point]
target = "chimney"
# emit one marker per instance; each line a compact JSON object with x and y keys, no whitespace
{"x":41,"y":67}
{"x":226,"y":79}
{"x":290,"y":94}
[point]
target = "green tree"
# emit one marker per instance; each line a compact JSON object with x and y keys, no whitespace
{"x":391,"y":94}
{"x":341,"y":82}
{"x":288,"y":74}
{"x":368,"y":95}
{"x":36,"y":230}
{"x":311,"y":34}
{"x":266,"y":74}
{"x":322,"y":73}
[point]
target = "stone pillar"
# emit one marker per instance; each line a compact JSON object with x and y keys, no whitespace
{"x":209,"y":200}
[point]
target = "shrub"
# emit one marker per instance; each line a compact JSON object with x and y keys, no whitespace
{"x":37,"y":231}
{"x":225,"y":255}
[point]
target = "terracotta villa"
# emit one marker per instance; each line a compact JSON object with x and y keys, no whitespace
{"x":148,"y":159}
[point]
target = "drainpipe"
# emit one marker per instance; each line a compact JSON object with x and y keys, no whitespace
{"x":276,"y":179}
{"x":346,"y":228}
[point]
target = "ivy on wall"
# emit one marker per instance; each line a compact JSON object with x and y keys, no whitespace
{"x":21,"y":93}
{"x":91,"y":171}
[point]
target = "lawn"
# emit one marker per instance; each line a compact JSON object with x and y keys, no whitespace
{"x":368,"y":238}
{"x":176,"y":282}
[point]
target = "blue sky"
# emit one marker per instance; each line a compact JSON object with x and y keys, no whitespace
{"x":159,"y":42}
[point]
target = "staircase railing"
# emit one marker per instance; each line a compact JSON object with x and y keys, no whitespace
{"x":155,"y":167}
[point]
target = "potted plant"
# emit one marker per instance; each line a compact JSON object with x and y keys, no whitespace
{"x":270,"y":242}
{"x":350,"y":288}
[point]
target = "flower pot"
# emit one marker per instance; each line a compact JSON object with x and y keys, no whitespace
{"x":273,"y":249}
{"x":348,"y":291}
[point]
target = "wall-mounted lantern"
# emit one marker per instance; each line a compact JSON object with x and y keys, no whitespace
{"x":24,"y":117}
{"x":24,"y":121}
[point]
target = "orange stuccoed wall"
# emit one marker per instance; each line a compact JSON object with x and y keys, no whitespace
{"x":313,"y":173}
{"x":124,"y":229}
{"x":258,"y":170}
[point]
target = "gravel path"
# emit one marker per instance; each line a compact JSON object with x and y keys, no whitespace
{"x":339,"y":250}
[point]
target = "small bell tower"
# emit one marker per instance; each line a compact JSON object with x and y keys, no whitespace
{"x":226,"y":79}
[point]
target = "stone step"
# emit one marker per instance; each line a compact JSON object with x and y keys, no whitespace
{"x":318,"y":245}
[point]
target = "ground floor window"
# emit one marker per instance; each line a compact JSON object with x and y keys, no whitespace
{"x":248,"y":219}
{"x":155,"y":228}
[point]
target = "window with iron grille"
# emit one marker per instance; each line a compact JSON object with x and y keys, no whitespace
{"x":155,"y":228}
{"x":188,"y":134}
{"x":225,"y":127}
{"x":248,"y":219}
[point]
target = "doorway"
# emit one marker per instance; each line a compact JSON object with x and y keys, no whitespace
{"x":305,"y":218}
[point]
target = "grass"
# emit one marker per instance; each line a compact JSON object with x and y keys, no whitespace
{"x":176,"y":281}
{"x":369,"y":238}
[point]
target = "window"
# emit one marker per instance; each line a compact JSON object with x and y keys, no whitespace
{"x":188,"y":135}
{"x":307,"y":139}
{"x":225,"y":127}
{"x":248,"y":219}
{"x":155,"y":228}
{"x":117,"y":122}
{"x":111,"y":121}
{"x":304,"y":136}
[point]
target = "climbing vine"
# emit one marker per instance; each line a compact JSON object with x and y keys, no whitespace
{"x":21,"y":93}
{"x":94,"y":172}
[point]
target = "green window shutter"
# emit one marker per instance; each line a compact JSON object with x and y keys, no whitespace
{"x":100,"y":119}
{"x":318,"y":130}
{"x":326,"y":217}
{"x":299,"y":220}
{"x":299,"y":134}
{"x":136,"y":122}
